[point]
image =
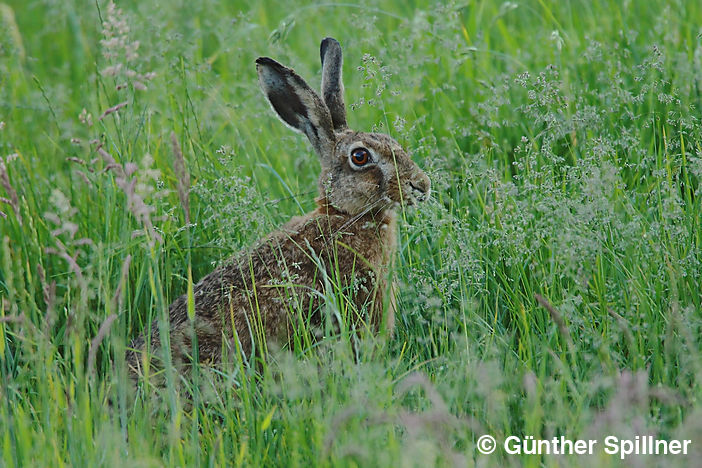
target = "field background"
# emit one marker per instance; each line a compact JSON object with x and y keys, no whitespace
{"x":563,"y":140}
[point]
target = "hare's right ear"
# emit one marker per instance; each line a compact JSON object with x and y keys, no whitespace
{"x":297,"y":104}
{"x":332,"y":85}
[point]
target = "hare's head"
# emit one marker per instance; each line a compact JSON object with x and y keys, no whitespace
{"x":360,"y":171}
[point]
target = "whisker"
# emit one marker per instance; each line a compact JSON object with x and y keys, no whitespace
{"x":292,"y":197}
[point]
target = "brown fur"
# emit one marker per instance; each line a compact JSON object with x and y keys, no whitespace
{"x":260,"y":295}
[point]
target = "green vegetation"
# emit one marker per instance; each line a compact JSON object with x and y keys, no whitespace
{"x":550,"y":287}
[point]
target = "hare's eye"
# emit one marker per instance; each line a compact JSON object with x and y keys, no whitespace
{"x":360,"y":156}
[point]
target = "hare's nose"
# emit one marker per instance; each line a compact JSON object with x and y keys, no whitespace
{"x":421,"y":186}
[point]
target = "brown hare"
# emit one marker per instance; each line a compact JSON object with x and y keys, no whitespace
{"x":262,"y":294}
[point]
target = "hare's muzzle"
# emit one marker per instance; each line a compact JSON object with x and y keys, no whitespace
{"x":420,"y":186}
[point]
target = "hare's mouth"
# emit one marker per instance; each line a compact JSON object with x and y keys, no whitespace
{"x":410,"y":200}
{"x":417,"y":193}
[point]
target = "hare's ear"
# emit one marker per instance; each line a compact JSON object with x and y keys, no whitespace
{"x":297,"y":104}
{"x":332,"y":85}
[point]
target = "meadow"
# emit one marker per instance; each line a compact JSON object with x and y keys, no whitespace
{"x":550,"y":287}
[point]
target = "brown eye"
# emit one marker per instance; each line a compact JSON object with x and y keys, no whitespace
{"x":360,"y":156}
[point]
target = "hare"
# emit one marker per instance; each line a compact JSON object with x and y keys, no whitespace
{"x":261,"y":295}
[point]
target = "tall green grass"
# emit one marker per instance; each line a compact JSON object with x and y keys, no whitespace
{"x":550,"y":287}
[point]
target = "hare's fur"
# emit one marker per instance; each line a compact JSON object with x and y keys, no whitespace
{"x":262,"y":294}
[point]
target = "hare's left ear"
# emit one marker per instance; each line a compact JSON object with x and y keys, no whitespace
{"x":297,"y":105}
{"x":332,"y":85}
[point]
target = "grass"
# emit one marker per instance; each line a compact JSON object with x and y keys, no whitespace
{"x":551,"y":286}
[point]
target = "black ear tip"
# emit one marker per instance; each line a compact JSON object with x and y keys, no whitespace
{"x":326,"y":43}
{"x":266,"y":61}
{"x":270,"y":63}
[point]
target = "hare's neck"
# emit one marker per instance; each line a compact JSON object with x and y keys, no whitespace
{"x":380,"y":217}
{"x":371,"y":233}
